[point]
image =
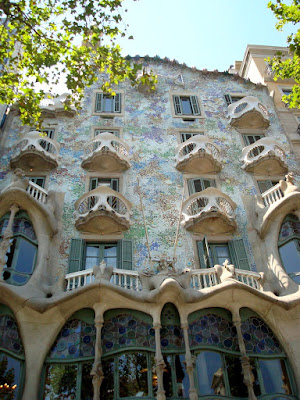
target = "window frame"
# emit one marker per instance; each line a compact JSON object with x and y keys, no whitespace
{"x":245,"y":138}
{"x":118,"y":131}
{"x":187,"y":117}
{"x":106,"y":114}
{"x":191,"y":181}
{"x":230,"y":95}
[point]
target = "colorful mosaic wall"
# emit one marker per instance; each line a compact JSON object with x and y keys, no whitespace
{"x":153,"y":134}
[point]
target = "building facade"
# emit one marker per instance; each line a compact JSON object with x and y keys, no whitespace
{"x":150,"y":245}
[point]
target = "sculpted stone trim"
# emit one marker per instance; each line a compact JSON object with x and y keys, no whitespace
{"x":248,"y":113}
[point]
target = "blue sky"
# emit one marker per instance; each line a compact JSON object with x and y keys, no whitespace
{"x":208,"y":34}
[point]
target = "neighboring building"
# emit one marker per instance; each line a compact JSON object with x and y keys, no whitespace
{"x":255,"y":67}
{"x":206,"y":149}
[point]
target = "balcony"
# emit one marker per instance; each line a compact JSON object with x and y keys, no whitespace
{"x":35,"y":153}
{"x":106,"y":152}
{"x":60,"y":106}
{"x":248,"y":113}
{"x":198,"y":155}
{"x":103,"y":211}
{"x":210,"y":212}
{"x":264,"y":157}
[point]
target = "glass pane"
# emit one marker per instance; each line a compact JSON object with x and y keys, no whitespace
{"x":10,"y":370}
{"x":110,"y":250}
{"x":275,"y":376}
{"x":111,"y":262}
{"x":133,"y":375}
{"x":26,"y":256}
{"x":167,"y":376}
{"x":290,"y":256}
{"x":210,"y":373}
{"x":86,"y":382}
{"x":92,"y":251}
{"x":107,"y":386}
{"x":182,"y":379}
{"x":186,"y":105}
{"x":18,"y":279}
{"x":198,"y":185}
{"x":107,"y":103}
{"x":235,"y":377}
{"x":60,"y":382}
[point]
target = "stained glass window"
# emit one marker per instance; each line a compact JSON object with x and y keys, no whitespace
{"x":9,"y":335}
{"x":171,"y":335}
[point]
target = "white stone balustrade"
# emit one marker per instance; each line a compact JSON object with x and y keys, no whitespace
{"x":211,"y":203}
{"x":199,"y":154}
{"x":248,"y":112}
{"x":106,"y":152}
{"x":264,"y":156}
{"x":272,"y":195}
{"x":37,"y":192}
{"x":203,"y":278}
{"x":249,"y":278}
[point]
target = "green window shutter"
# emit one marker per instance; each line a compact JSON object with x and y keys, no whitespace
{"x":117,"y":102}
{"x":93,"y":183}
{"x":191,"y":186}
{"x":115,"y":184}
{"x":124,"y":254}
{"x":238,"y":254}
{"x":195,"y":105}
{"x":228,"y":99}
{"x":177,"y":105}
{"x":99,"y":102}
{"x":75,"y":256}
{"x":203,"y":253}
{"x":264,"y":185}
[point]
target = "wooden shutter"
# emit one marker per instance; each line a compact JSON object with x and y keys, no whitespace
{"x":195,"y":105}
{"x":203,"y":253}
{"x":177,"y":105}
{"x":206,"y":183}
{"x":264,"y":185}
{"x":76,"y":254}
{"x":99,"y":102}
{"x":93,"y":183}
{"x":228,"y":99}
{"x":124,"y":254}
{"x":238,"y":254}
{"x":117,"y":102}
{"x":191,"y":186}
{"x":114,"y":184}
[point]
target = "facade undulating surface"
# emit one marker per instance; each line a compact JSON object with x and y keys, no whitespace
{"x":150,"y":245}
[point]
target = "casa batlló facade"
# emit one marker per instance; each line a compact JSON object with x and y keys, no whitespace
{"x":150,"y":245}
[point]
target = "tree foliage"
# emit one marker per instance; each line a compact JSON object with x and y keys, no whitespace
{"x":288,"y":68}
{"x":43,"y":41}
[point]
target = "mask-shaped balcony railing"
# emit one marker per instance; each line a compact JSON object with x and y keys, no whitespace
{"x":210,"y":212}
{"x":35,"y":152}
{"x":106,"y":152}
{"x":198,"y":155}
{"x":264,"y":157}
{"x":102,"y":210}
{"x":57,"y":106}
{"x":248,"y":112}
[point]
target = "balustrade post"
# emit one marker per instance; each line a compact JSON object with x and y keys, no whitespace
{"x":248,"y":377}
{"x":97,"y":371}
{"x":159,"y":364}
{"x":6,"y":238}
{"x":190,"y":361}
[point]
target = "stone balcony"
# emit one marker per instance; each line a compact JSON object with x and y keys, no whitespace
{"x":198,"y":155}
{"x":35,"y":152}
{"x":102,"y":211}
{"x":248,"y":113}
{"x":60,"y":106}
{"x":106,"y":152}
{"x":210,"y":212}
{"x":264,"y":157}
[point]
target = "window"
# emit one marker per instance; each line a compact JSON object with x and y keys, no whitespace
{"x":250,"y":139}
{"x":187,"y":135}
{"x":50,"y":134}
{"x":289,"y":246}
{"x":21,"y":256}
{"x":115,"y":132}
{"x":198,"y":184}
{"x":112,"y":183}
{"x":85,"y":255}
{"x":232,"y":98}
{"x":107,"y":104}
{"x":186,"y":105}
{"x":38,"y":180}
{"x":211,"y":254}
{"x":266,"y":185}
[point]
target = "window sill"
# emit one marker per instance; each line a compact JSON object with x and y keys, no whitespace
{"x":108,"y":115}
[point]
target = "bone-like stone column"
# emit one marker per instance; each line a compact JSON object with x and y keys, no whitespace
{"x":6,"y":237}
{"x":159,"y":364}
{"x":97,"y":371}
{"x":245,"y":362}
{"x":189,"y":362}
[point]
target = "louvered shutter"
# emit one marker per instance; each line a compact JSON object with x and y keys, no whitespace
{"x":203,"y":253}
{"x":117,"y":102}
{"x":228,"y":99}
{"x":99,"y":102}
{"x":191,"y":186}
{"x":114,"y":184}
{"x":238,"y":254}
{"x":264,"y":185}
{"x":124,"y":254}
{"x":177,"y":105}
{"x":76,"y":254}
{"x":93,"y":183}
{"x":195,"y":105}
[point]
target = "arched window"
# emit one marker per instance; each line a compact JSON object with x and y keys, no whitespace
{"x":11,"y":357}
{"x":21,"y":255}
{"x":70,"y":360}
{"x":289,"y":246}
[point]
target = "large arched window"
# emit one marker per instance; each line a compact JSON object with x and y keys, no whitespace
{"x":70,"y":360}
{"x":289,"y":246}
{"x":11,"y":357}
{"x":21,"y":255}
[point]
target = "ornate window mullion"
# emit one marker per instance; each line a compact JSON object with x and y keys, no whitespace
{"x":159,"y":364}
{"x":190,"y":363}
{"x":245,"y":361}
{"x":6,"y":238}
{"x":97,"y":371}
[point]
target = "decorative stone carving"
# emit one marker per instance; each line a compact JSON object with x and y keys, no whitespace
{"x":57,"y":106}
{"x":248,"y":113}
{"x":288,"y":186}
{"x":225,"y":271}
{"x":102,"y":272}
